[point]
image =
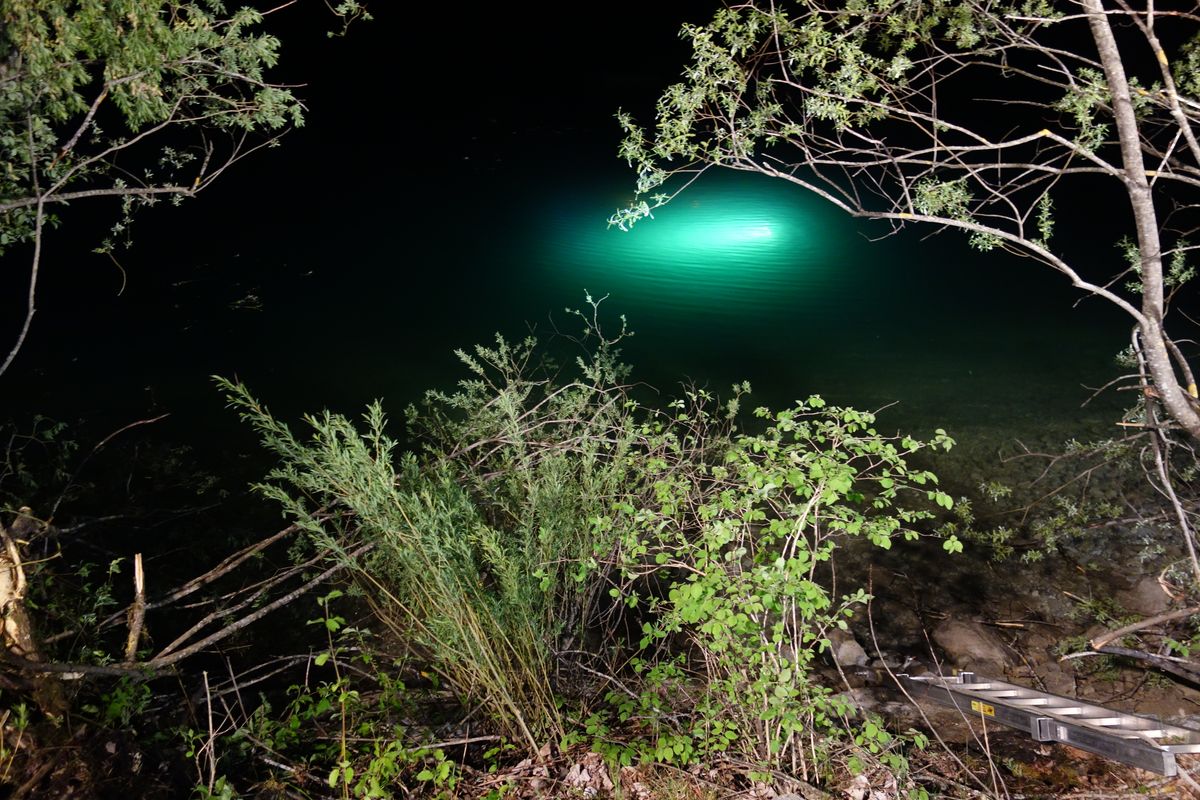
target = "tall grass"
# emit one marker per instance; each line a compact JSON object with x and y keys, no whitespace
{"x":485,"y":552}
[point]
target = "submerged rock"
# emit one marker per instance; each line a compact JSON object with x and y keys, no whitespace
{"x":1145,"y":597}
{"x":845,"y":649}
{"x":972,"y":646}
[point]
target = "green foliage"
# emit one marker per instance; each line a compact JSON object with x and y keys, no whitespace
{"x":180,"y":86}
{"x":1090,"y":611}
{"x":440,"y":772}
{"x":1179,"y":271}
{"x":222,"y":789}
{"x":156,"y":63}
{"x":481,"y":553}
{"x":78,"y":600}
{"x":1045,"y":219}
{"x":16,"y":719}
{"x":332,"y":725}
{"x":943,"y":198}
{"x":1086,"y":101}
{"x":848,"y":100}
{"x":125,"y":702}
{"x":545,"y":504}
{"x":768,"y":74}
{"x":741,"y":544}
{"x":35,"y":460}
{"x":1041,"y":505}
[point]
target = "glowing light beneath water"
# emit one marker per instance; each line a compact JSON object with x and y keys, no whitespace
{"x":728,"y":247}
{"x":712,"y":234}
{"x":731,"y":234}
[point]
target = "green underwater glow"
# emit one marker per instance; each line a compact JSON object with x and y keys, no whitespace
{"x":714,"y":229}
{"x":726,"y":238}
{"x":725,"y":247}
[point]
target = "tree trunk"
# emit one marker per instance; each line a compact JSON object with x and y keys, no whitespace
{"x":1137,"y":185}
{"x":17,"y":633}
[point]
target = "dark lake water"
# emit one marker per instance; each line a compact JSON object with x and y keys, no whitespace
{"x":411,"y":218}
{"x":742,"y":278}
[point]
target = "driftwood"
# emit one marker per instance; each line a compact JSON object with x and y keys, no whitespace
{"x":255,"y":601}
{"x":19,"y":637}
{"x":1181,"y":668}
{"x":1104,"y":639}
{"x":1184,"y":669}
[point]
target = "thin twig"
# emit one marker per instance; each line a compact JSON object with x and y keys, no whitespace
{"x":211,"y":745}
{"x":71,"y":480}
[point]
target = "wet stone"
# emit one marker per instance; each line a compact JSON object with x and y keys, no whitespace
{"x":972,"y":646}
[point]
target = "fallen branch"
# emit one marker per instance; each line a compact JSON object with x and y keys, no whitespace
{"x":228,"y":630}
{"x":226,"y":566}
{"x":177,"y":651}
{"x":1165,"y":663}
{"x":1103,"y":639}
{"x":1168,"y":664}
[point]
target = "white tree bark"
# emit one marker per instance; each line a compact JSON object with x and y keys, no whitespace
{"x":1137,"y":186}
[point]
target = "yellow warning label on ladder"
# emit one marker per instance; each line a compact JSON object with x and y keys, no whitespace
{"x":983,"y":708}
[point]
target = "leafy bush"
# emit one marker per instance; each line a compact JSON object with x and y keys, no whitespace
{"x":546,"y":509}
{"x":741,"y":547}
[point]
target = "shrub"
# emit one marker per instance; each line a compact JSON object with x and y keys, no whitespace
{"x":481,"y":550}
{"x":541,"y":503}
{"x":742,"y":548}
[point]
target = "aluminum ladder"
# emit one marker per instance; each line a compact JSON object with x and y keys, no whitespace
{"x":1129,"y":738}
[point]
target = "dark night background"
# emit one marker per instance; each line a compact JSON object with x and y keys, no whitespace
{"x":452,"y":181}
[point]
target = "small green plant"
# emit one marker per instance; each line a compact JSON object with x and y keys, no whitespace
{"x":342,"y":773}
{"x":78,"y":599}
{"x":1087,"y":612}
{"x":222,"y":789}
{"x":327,"y":727}
{"x":492,"y":755}
{"x":1070,"y":499}
{"x":994,"y":490}
{"x":439,"y":772}
{"x":16,"y":719}
{"x":383,"y":766}
{"x":125,"y":702}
